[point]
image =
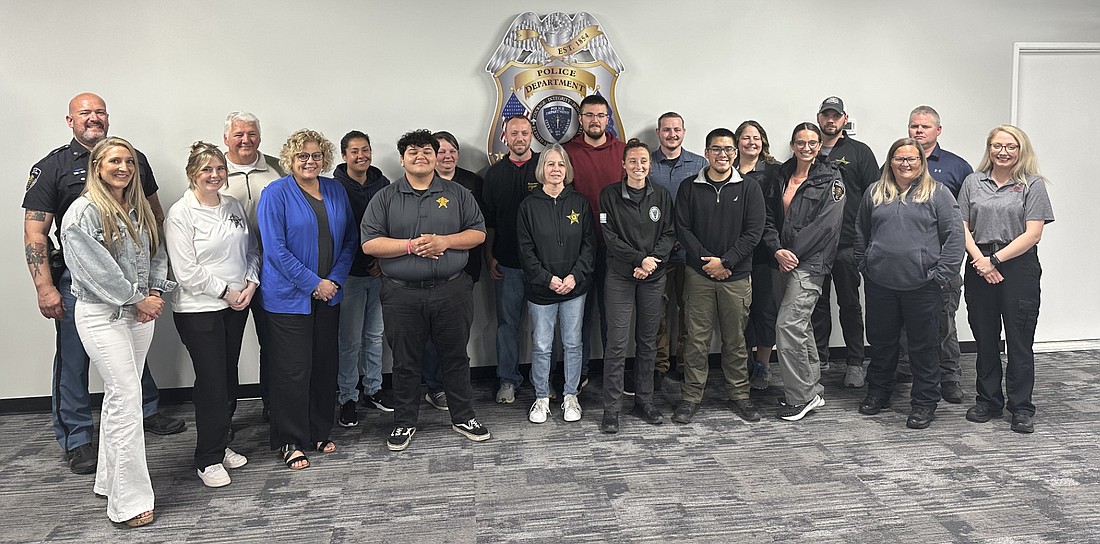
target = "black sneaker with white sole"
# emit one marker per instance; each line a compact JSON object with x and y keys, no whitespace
{"x":374,"y":402}
{"x":472,"y":429}
{"x":400,"y":437}
{"x":348,"y":416}
{"x":795,"y":412}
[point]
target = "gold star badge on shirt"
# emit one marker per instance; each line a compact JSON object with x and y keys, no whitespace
{"x":574,"y":217}
{"x":442,"y":201}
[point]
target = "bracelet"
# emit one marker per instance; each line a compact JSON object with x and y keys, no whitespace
{"x":409,"y":247}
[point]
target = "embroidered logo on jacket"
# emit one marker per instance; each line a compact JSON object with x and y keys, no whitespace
{"x":654,"y":214}
{"x":574,"y":217}
{"x":238,"y":221}
{"x":442,"y":201}
{"x":838,"y":191}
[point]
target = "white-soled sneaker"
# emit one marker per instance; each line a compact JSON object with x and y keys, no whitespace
{"x":214,"y":476}
{"x":233,"y":459}
{"x":571,"y":408}
{"x":540,"y":410}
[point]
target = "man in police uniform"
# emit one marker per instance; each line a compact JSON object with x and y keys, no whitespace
{"x":859,"y":170}
{"x":421,"y":228}
{"x":55,"y":182}
{"x":950,"y":170}
{"x":249,"y":172}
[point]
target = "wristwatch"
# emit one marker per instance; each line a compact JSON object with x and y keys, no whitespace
{"x":994,"y":260}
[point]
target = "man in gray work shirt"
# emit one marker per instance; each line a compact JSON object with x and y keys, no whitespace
{"x":421,"y":228}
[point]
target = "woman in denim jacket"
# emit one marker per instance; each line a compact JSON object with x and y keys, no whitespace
{"x":119,"y":272}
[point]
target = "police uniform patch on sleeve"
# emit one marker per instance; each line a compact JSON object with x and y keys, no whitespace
{"x":603,"y":218}
{"x":838,"y":190}
{"x":654,"y":214}
{"x":35,"y":173}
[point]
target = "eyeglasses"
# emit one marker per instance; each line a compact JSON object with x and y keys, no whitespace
{"x":906,"y":160}
{"x":718,"y":150}
{"x":303,"y":157}
{"x":590,"y":116}
{"x":1011,"y":148}
{"x":808,"y":145}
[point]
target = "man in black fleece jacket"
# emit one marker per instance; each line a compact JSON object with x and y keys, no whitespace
{"x":719,"y":220}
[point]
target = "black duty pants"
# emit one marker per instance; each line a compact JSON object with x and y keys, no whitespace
{"x":845,"y":276}
{"x":1015,"y":302}
{"x":412,"y":317}
{"x":918,"y":311}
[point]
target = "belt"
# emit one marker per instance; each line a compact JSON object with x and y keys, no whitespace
{"x":993,"y":247}
{"x":425,"y":284}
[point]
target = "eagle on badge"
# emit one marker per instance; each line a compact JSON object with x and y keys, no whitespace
{"x":838,"y":190}
{"x":531,"y":40}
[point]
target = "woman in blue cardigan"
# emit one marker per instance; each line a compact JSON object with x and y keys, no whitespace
{"x":309,"y":239}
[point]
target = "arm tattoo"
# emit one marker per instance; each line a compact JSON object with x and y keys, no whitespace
{"x":34,"y":215}
{"x":36,"y":257}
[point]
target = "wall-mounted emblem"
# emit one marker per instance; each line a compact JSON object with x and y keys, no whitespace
{"x":543,"y":68}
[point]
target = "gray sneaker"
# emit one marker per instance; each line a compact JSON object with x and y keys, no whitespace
{"x":438,"y":400}
{"x":854,"y":376}
{"x":761,"y":376}
{"x":507,"y":393}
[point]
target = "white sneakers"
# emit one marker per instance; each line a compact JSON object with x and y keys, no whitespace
{"x":572,"y":408}
{"x":215,"y":475}
{"x":540,"y":410}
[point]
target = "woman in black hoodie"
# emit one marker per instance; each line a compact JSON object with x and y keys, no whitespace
{"x":557,"y":247}
{"x":805,"y":202}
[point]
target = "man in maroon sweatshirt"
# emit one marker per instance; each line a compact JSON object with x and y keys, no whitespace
{"x":597,"y":157}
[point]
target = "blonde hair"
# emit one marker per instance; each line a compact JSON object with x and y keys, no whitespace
{"x":1027,"y":163}
{"x":297,"y":142}
{"x":887,"y":191}
{"x":201,"y":154}
{"x":111,"y":213}
{"x":554,"y":148}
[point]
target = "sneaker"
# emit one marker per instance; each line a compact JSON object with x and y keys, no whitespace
{"x":951,"y":392}
{"x":685,"y":412}
{"x":400,"y":437}
{"x":438,"y":400}
{"x":214,"y":476}
{"x":233,"y":459}
{"x":507,"y":393}
{"x":872,"y":405}
{"x":980,"y":413}
{"x":746,"y":409}
{"x":761,"y":376}
{"x":374,"y":402}
{"x":83,"y":459}
{"x":795,"y":412}
{"x":571,"y":408}
{"x":648,"y":413}
{"x":920,"y":418}
{"x":348,"y":416}
{"x":540,"y":410}
{"x":1022,"y":424}
{"x":472,"y":430}
{"x":159,"y":423}
{"x":610,"y":423}
{"x":854,"y":376}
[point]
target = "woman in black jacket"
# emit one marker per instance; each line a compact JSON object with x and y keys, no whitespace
{"x":639,"y":234}
{"x":557,"y":247}
{"x":805,"y":203}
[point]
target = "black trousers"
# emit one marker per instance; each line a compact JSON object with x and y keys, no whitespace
{"x":1014,"y":302}
{"x":214,"y":341}
{"x":918,"y":311}
{"x":304,"y":360}
{"x":412,"y":317}
{"x":259,"y":319}
{"x":845,"y":276}
{"x":764,"y":311}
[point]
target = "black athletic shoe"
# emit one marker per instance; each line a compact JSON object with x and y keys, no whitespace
{"x":872,"y":405}
{"x":952,"y":392}
{"x":374,"y":402}
{"x":648,"y":413}
{"x":159,"y":423}
{"x":82,"y":459}
{"x":400,"y":437}
{"x":610,"y":423}
{"x":348,"y":416}
{"x":746,"y":409}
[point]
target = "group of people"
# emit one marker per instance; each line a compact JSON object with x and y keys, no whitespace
{"x":732,"y":241}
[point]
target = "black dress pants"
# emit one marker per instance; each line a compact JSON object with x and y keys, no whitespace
{"x":304,"y":361}
{"x":918,"y":311}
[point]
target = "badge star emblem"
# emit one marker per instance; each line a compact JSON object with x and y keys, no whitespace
{"x":574,"y":217}
{"x":844,"y":161}
{"x":442,"y":201}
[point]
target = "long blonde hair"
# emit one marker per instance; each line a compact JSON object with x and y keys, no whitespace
{"x":111,"y":213}
{"x":887,"y":191}
{"x":1026,"y":165}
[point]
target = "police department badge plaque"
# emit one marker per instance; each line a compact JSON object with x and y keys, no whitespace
{"x":543,"y":69}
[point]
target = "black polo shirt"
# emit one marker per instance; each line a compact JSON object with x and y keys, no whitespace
{"x":59,"y":178}
{"x":397,"y":211}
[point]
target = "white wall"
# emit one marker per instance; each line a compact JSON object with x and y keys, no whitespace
{"x":169,"y":73}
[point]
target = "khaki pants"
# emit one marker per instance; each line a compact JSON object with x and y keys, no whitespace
{"x":728,"y":303}
{"x":797,"y":292}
